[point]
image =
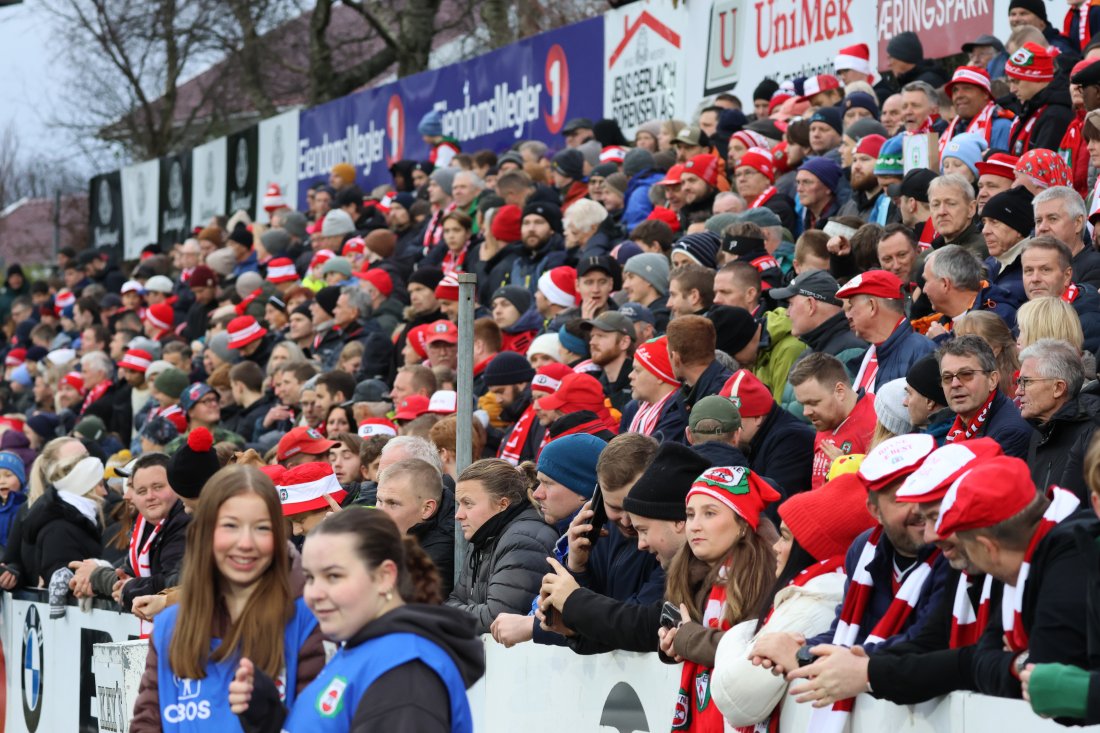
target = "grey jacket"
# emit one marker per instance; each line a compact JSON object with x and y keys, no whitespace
{"x":504,"y":575}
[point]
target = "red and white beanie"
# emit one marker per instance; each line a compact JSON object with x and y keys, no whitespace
{"x":761,"y":160}
{"x":243,"y":330}
{"x":559,"y":286}
{"x":613,"y":154}
{"x":15,"y":357}
{"x":547,"y":379}
{"x":161,"y":315}
{"x":321,"y":257}
{"x":303,"y":488}
{"x":854,"y":58}
{"x":373,"y":426}
{"x":355,"y":245}
{"x":654,"y":358}
{"x":969,"y":75}
{"x":63,"y":300}
{"x":273,"y":198}
{"x":751,"y":139}
{"x":136,"y":359}
{"x":74,"y":380}
{"x":281,"y":270}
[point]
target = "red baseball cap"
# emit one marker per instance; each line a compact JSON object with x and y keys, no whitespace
{"x":998,"y":164}
{"x":577,"y":392}
{"x":441,"y":330}
{"x":412,"y":407}
{"x":672,"y":177}
{"x":879,"y":283}
{"x":303,"y":488}
{"x":895,"y":459}
{"x":668,"y":216}
{"x":817,"y":85}
{"x":303,"y":440}
{"x":754,"y":399}
{"x":988,"y":494}
{"x":931,"y":481}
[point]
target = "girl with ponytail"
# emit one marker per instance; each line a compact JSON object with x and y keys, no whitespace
{"x":404,"y":662}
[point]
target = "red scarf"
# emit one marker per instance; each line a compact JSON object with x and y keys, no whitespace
{"x":1071,"y":293}
{"x":982,"y":124}
{"x":139,"y":558}
{"x":1084,"y":33}
{"x":247,"y":301}
{"x":695,"y":710}
{"x":966,"y":625}
{"x":851,"y":614}
{"x":649,"y":413}
{"x":1019,"y":136}
{"x":831,"y":565}
{"x":764,"y":263}
{"x":1062,"y":504}
{"x":965,"y":431}
{"x":94,"y":394}
{"x":1073,"y":151}
{"x":763,"y":198}
{"x":926,"y":126}
{"x":510,"y":450}
{"x":454,"y":264}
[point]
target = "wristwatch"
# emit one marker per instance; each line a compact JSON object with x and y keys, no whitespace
{"x":804,"y":656}
{"x":1019,"y":663}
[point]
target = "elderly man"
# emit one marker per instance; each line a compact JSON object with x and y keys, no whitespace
{"x":1006,"y":222}
{"x":954,"y":286}
{"x":352,"y":310}
{"x":466,"y":188}
{"x":919,"y":109}
{"x":818,"y":318}
{"x":817,"y":183}
{"x":875,"y":309}
{"x":105,"y":398}
{"x":976,"y":112}
{"x":1045,"y":262}
{"x":970,"y":379}
{"x":951,"y":203}
{"x":1060,"y":213}
{"x":1049,"y":390}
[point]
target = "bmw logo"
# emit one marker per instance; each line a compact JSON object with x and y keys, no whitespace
{"x":33,"y":667}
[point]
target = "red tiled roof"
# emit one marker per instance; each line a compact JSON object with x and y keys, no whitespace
{"x":26,"y":229}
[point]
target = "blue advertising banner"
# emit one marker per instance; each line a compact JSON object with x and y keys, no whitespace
{"x":524,"y":91}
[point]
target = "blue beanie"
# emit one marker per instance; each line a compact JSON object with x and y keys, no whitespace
{"x":702,"y":247}
{"x":14,"y":463}
{"x":431,"y":124}
{"x":968,"y":148}
{"x":571,"y":461}
{"x":826,"y":170}
{"x":574,"y":344}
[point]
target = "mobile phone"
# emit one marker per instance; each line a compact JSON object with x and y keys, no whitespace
{"x":670,"y":615}
{"x":836,"y":229}
{"x":599,"y":518}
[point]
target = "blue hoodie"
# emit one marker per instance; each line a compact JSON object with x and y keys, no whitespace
{"x":637,"y":205}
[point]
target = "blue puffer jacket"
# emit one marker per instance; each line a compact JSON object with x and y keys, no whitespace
{"x":638,"y":205}
{"x":899,"y":351}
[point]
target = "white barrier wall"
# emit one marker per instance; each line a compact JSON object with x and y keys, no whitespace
{"x":53,"y":676}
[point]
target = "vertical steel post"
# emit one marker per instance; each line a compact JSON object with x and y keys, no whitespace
{"x":467,"y":287}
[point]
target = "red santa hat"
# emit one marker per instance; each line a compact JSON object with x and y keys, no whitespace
{"x":303,"y":488}
{"x":15,"y":357}
{"x":74,"y":380}
{"x":613,"y":154}
{"x":273,"y":198}
{"x":855,"y":58}
{"x":559,"y":286}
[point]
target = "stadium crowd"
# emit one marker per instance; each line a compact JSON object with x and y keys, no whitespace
{"x":753,"y":392}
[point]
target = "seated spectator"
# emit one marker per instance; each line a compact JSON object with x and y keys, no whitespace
{"x":690,"y":290}
{"x":509,"y":542}
{"x":1006,"y":221}
{"x":925,"y":401}
{"x":657,"y":409}
{"x":1049,"y":317}
{"x":691,"y":351}
{"x":577,"y":392}
{"x":309,"y":492}
{"x":515,"y":313}
{"x":1060,"y":213}
{"x":954,"y":285}
{"x":611,"y":346}
{"x":411,"y":491}
{"x":1047,"y":270}
{"x":951,"y":202}
{"x":990,"y":328}
{"x":968,"y":373}
{"x":843,"y":418}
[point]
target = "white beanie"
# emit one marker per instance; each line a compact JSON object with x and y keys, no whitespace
{"x":890,"y":408}
{"x":83,"y":477}
{"x":547,"y":344}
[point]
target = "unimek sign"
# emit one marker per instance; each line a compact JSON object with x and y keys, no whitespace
{"x":526,"y":90}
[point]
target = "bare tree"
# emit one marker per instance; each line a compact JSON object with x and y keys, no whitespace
{"x":29,"y":172}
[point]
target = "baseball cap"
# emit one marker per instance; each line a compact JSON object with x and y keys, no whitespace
{"x":371,"y":390}
{"x":302,"y":440}
{"x":612,"y":322}
{"x":715,"y":407}
{"x":412,"y":407}
{"x":441,"y":330}
{"x":638,"y":312}
{"x":878,"y":283}
{"x":816,"y":284}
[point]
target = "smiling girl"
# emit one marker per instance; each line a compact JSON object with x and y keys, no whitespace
{"x":720,"y":578}
{"x":235,"y":600}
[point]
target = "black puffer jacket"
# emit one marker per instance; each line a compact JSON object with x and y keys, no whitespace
{"x":505,"y":565}
{"x":1058,"y":446}
{"x":59,"y":534}
{"x":437,"y":538}
{"x":1053,"y":111}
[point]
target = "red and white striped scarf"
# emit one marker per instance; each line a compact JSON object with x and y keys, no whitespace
{"x":648,"y":414}
{"x":1062,"y":504}
{"x":832,"y":720}
{"x":966,"y":624}
{"x":926,"y":126}
{"x":510,"y":449}
{"x":1071,"y":293}
{"x":94,"y":394}
{"x":981,"y":124}
{"x":695,"y":709}
{"x":961,"y":430}
{"x":763,"y":197}
{"x":1084,"y":33}
{"x":139,"y":558}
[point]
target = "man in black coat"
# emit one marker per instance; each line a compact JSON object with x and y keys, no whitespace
{"x":411,"y":491}
{"x":1049,"y":388}
{"x":818,"y":319}
{"x":204,"y":285}
{"x":109,"y":399}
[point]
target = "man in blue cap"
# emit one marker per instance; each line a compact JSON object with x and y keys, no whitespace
{"x":444,"y":148}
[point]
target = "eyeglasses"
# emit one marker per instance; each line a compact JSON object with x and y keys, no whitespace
{"x":1025,"y":382}
{"x":964,"y":376}
{"x":208,"y":400}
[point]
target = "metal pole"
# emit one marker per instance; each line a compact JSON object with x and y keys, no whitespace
{"x":467,"y":287}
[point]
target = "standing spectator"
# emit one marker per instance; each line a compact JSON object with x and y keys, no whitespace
{"x":1044,"y":98}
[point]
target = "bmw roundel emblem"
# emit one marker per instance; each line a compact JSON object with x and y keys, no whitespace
{"x":33,"y":664}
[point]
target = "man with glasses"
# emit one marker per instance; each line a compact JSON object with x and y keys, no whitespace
{"x":968,"y":373}
{"x":1049,"y":390}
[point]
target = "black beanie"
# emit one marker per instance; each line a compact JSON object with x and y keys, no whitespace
{"x":661,"y":491}
{"x":550,"y":212}
{"x":906,"y":46}
{"x":507,"y":367}
{"x":241,"y":236}
{"x":924,"y":377}
{"x":327,"y":297}
{"x":303,"y":309}
{"x":193,"y":464}
{"x":429,"y":277}
{"x":569,"y":163}
{"x":582,"y":421}
{"x":1012,"y":207}
{"x":734,"y":326}
{"x":1037,"y":7}
{"x":765,"y":90}
{"x":521,"y":298}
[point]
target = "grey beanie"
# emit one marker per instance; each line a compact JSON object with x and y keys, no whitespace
{"x":591,"y":150}
{"x":719,"y":222}
{"x":276,"y":242}
{"x":145,"y":344}
{"x":890,"y":408}
{"x":863,"y":127}
{"x":445,"y":177}
{"x":651,"y":267}
{"x":247,"y":282}
{"x":294,"y":223}
{"x":219,"y":344}
{"x":906,"y":46}
{"x":636,"y":161}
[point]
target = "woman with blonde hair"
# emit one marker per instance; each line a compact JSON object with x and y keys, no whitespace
{"x":282,"y":354}
{"x":669,"y":130}
{"x":1048,"y":317}
{"x":989,"y":327}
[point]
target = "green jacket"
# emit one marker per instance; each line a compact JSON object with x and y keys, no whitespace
{"x":775,"y":359}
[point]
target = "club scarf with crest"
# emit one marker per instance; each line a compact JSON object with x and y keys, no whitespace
{"x":833,"y":719}
{"x":831,"y":565}
{"x":695,"y":710}
{"x":1062,"y":504}
{"x":961,"y":430}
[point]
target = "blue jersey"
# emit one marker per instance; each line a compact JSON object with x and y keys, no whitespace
{"x":330,"y":701}
{"x":203,"y":705}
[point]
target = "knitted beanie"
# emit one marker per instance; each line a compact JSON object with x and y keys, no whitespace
{"x":431,"y":124}
{"x":521,"y":298}
{"x":825,"y":170}
{"x":193,"y":464}
{"x":171,"y":382}
{"x":889,"y":407}
{"x":327,"y":297}
{"x":637,"y":161}
{"x":445,"y":178}
{"x":827,"y":520}
{"x":701,"y":247}
{"x":906,"y":46}
{"x":571,"y":461}
{"x":507,"y":367}
{"x":967,"y":148}
{"x":734,"y":326}
{"x":1012,"y":207}
{"x":506,"y":224}
{"x":924,"y":377}
{"x":13,"y":463}
{"x":429,"y":277}
{"x":660,"y":491}
{"x":652,"y":267}
{"x":276,"y":242}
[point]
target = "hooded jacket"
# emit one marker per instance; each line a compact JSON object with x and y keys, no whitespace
{"x":1052,"y":111}
{"x":519,"y":335}
{"x":638,"y":206}
{"x":504,"y":565}
{"x":437,"y":538}
{"x":774,"y":361}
